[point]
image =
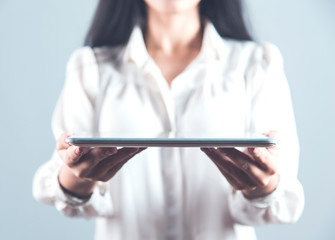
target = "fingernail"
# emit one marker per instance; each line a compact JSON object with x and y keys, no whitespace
{"x":79,"y":151}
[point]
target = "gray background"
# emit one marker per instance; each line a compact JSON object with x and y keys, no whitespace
{"x":36,"y":39}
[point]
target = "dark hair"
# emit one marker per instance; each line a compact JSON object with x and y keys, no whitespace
{"x":114,"y":20}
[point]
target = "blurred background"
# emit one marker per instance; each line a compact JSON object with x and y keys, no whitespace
{"x":36,"y":40}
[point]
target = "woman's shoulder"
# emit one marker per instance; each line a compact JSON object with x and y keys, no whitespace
{"x":81,"y":57}
{"x":85,"y":57}
{"x":265,"y":53}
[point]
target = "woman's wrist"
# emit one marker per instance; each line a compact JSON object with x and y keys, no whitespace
{"x":72,"y":185}
{"x":263,"y":191}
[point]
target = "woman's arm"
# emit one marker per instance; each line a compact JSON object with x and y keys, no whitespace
{"x":73,"y":180}
{"x":265,"y":188}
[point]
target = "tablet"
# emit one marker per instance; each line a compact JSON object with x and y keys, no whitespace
{"x":171,"y":142}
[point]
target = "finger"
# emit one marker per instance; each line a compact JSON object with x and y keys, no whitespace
{"x":230,"y":170}
{"x":264,"y":158}
{"x":91,"y":159}
{"x":61,"y":142}
{"x":111,"y":172}
{"x":235,"y":155}
{"x":238,"y":179}
{"x":73,"y":154}
{"x":97,"y":154}
{"x":235,"y":184}
{"x":121,"y":155}
{"x":141,"y":149}
{"x":246,"y":164}
{"x":109,"y":166}
{"x":62,"y":146}
{"x":238,"y":157}
{"x":68,"y":153}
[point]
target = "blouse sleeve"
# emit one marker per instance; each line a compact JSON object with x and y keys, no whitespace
{"x":271,"y":109}
{"x":75,"y":113}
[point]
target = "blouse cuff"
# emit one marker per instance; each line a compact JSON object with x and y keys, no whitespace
{"x":73,"y":201}
{"x":98,"y":204}
{"x":69,"y":199}
{"x":262,"y":202}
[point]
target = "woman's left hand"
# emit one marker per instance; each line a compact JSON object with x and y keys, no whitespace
{"x":253,"y":171}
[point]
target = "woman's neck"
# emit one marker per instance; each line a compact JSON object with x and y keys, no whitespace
{"x":168,"y":33}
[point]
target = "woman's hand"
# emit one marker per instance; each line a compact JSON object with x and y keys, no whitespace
{"x":253,"y":171}
{"x":84,"y":166}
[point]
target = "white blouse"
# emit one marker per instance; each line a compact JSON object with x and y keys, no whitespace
{"x":233,"y":88}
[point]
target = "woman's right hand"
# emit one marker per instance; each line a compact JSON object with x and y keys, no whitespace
{"x":84,"y":166}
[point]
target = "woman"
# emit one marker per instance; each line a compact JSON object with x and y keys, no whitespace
{"x":174,"y":66}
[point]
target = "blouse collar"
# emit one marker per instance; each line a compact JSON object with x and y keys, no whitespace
{"x":212,"y":46}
